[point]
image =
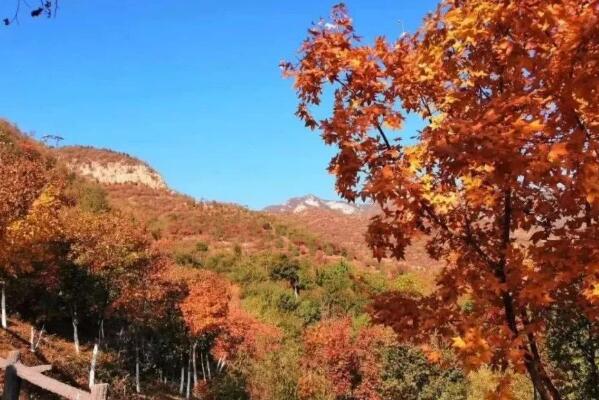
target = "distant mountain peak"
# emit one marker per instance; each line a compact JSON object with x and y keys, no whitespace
{"x":299,"y":205}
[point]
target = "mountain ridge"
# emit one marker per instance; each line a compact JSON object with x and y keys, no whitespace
{"x":310,"y":202}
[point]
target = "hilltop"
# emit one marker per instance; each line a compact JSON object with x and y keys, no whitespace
{"x":110,"y":167}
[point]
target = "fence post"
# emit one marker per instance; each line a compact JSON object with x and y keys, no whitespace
{"x":99,"y":391}
{"x":12,"y":382}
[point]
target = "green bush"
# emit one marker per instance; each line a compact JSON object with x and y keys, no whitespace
{"x":287,"y":302}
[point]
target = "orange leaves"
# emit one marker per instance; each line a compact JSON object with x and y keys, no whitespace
{"x":590,"y":183}
{"x":105,"y":243}
{"x":504,"y":175}
{"x":242,"y":334}
{"x":473,"y":348}
{"x":557,"y":152}
{"x":206,"y":307}
{"x":212,"y":308}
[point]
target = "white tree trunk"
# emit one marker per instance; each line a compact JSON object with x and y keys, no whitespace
{"x":101,"y":332}
{"x":208,"y":366}
{"x":92,"y":368}
{"x":195,"y":370}
{"x":4,"y":324}
{"x":202,"y":364}
{"x":188,"y":393}
{"x":32,"y":340}
{"x":75,"y":333}
{"x":137,"y":385}
{"x":182,"y":383}
{"x":39,"y":338}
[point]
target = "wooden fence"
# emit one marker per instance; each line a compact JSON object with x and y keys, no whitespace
{"x":15,"y":372}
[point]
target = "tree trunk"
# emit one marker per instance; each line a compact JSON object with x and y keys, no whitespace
{"x":32,"y":340}
{"x":39,"y":338}
{"x":92,"y":368}
{"x":4,"y":324}
{"x":137,"y":384}
{"x":532,"y":361}
{"x":195,"y":370}
{"x":182,"y":382}
{"x":75,"y":332}
{"x":202,"y":364}
{"x":188,"y":392}
{"x":208,"y":366}
{"x":101,"y":332}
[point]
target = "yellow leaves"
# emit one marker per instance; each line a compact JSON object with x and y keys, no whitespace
{"x":355,"y":62}
{"x":442,"y":201}
{"x":473,"y":348}
{"x":592,"y":293}
{"x":40,"y":220}
{"x":437,"y":120}
{"x":458,"y":343}
{"x":413,"y":156}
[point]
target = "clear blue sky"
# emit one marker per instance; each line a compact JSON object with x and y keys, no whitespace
{"x":193,"y":87}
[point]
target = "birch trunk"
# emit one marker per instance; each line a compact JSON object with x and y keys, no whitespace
{"x":75,"y":332}
{"x":208,"y":366}
{"x":92,"y":368}
{"x":39,"y":338}
{"x":101,"y":332}
{"x":202,"y":364}
{"x":188,"y":393}
{"x":182,"y":383}
{"x":137,"y":385}
{"x":32,"y":340}
{"x":4,"y":324}
{"x":195,"y":370}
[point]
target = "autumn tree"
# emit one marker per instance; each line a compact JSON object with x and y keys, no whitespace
{"x":287,"y":269}
{"x":502,"y":177}
{"x":341,"y":363}
{"x":30,"y":200}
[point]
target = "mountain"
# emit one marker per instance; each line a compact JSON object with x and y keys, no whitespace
{"x":279,"y":272}
{"x":179,"y":222}
{"x":298,"y":205}
{"x":109,"y":167}
{"x":346,"y":225}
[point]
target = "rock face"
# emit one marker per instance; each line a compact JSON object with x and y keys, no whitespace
{"x":110,"y":167}
{"x":299,"y":205}
{"x":115,"y":172}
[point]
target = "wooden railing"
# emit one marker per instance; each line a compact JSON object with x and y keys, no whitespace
{"x":15,"y":372}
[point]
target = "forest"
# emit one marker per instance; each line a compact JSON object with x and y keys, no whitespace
{"x":164,"y":296}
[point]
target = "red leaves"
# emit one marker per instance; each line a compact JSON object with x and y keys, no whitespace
{"x":350,"y":362}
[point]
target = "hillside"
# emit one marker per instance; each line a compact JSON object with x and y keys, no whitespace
{"x":323,"y":230}
{"x":178,"y":221}
{"x":346,"y":224}
{"x":171,"y":288}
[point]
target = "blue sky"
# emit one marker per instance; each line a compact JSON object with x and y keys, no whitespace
{"x":193,"y":87}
